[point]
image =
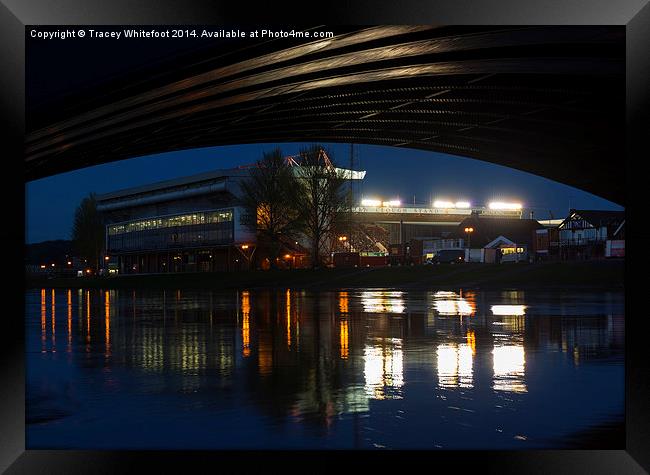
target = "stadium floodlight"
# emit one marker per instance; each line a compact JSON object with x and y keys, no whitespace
{"x":393,"y":203}
{"x":501,"y":205}
{"x":443,"y":204}
{"x":370,"y":202}
{"x":463,"y":204}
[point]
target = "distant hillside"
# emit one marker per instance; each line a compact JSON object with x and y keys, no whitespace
{"x":48,"y":251}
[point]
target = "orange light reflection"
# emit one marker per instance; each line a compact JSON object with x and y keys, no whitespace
{"x":245,"y":330}
{"x":471,"y":340}
{"x":43,"y":322}
{"x":53,"y":322}
{"x":343,"y":302}
{"x":288,"y":318}
{"x":69,"y":320}
{"x":107,"y":337}
{"x":344,"y":339}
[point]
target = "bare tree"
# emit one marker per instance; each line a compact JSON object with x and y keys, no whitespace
{"x":88,"y":231}
{"x":268,"y":198}
{"x":322,"y":199}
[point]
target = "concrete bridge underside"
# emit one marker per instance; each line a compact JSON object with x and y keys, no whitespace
{"x":546,"y":100}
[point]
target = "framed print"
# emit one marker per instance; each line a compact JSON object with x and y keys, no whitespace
{"x":386,"y":234}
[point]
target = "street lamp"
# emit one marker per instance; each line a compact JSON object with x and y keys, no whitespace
{"x":469,"y":232}
{"x":342,"y":240}
{"x":248,"y":255}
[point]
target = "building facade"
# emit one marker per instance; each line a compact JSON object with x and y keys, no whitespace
{"x":615,"y":246}
{"x":192,"y":224}
{"x":498,"y":239}
{"x":195,"y":224}
{"x":584,"y":233}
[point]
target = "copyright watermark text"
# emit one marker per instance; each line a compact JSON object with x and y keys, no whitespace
{"x":164,"y":33}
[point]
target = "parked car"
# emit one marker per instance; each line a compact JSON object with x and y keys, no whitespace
{"x":449,"y":256}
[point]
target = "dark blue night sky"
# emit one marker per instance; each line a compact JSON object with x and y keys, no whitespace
{"x":392,"y":172}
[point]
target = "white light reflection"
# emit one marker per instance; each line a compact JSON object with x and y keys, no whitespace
{"x":455,"y":363}
{"x":384,"y":369}
{"x":509,"y":363}
{"x":380,"y":301}
{"x":507,"y":310}
{"x":152,"y":349}
{"x":450,"y":303}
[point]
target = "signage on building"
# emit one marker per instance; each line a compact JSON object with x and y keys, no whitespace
{"x":396,"y":210}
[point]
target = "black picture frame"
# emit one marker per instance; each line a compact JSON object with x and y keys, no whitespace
{"x":15,"y":14}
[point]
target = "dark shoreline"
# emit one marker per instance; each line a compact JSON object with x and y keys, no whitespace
{"x":606,"y":275}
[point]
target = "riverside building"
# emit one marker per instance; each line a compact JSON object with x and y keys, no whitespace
{"x":189,"y":224}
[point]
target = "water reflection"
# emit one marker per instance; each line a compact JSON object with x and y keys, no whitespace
{"x":43,"y":322}
{"x":471,"y":341}
{"x":344,"y":329}
{"x":344,"y":339}
{"x":53,"y":321}
{"x":107,"y":323}
{"x":88,"y":321}
{"x":69,"y":321}
{"x":452,"y":303}
{"x":382,"y":301}
{"x":318,"y":358}
{"x":455,"y":363}
{"x":508,"y":310}
{"x":288,"y":305}
{"x":343,"y":302}
{"x":509,"y":362}
{"x":151,"y":353}
{"x":246,"y":329}
{"x":384,"y":369}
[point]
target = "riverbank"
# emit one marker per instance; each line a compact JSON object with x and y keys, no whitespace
{"x":580,"y":274}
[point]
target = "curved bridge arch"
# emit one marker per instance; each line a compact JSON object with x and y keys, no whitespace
{"x":546,"y":100}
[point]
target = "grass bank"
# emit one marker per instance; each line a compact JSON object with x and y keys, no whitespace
{"x":583,"y":274}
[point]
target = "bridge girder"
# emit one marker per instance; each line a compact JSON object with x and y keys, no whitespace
{"x":546,"y":100}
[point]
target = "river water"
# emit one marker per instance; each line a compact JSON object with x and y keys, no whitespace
{"x":295,"y":369}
